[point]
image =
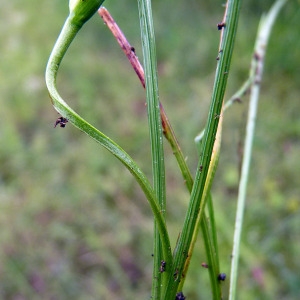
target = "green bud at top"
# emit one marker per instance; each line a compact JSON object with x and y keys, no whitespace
{"x":82,"y":10}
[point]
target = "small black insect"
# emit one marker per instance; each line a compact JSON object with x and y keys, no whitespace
{"x":221,"y":276}
{"x":61,"y":121}
{"x":132,"y":49}
{"x":162,"y":266}
{"x":180,"y":296}
{"x":220,"y":25}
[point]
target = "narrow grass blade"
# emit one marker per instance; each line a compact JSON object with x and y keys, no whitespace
{"x":208,"y":226}
{"x":156,"y":140}
{"x":257,"y":69}
{"x":63,"y":42}
{"x":197,"y":202}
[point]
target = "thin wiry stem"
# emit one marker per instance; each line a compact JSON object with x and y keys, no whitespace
{"x":156,"y":140}
{"x":197,"y":202}
{"x":257,"y":69}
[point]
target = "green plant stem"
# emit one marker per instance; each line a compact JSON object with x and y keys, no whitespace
{"x":257,"y":69}
{"x":64,"y":40}
{"x":208,"y":228}
{"x":155,"y":129}
{"x":197,"y":203}
{"x":210,"y":238}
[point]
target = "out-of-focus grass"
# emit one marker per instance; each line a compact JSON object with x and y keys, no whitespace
{"x":73,"y":229}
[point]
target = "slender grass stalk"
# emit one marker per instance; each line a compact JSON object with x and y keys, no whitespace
{"x":197,"y":203}
{"x":150,"y":66}
{"x":257,"y":69}
{"x":208,"y":227}
{"x":71,"y":27}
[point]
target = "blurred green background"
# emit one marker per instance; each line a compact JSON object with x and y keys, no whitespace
{"x":74,"y":224}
